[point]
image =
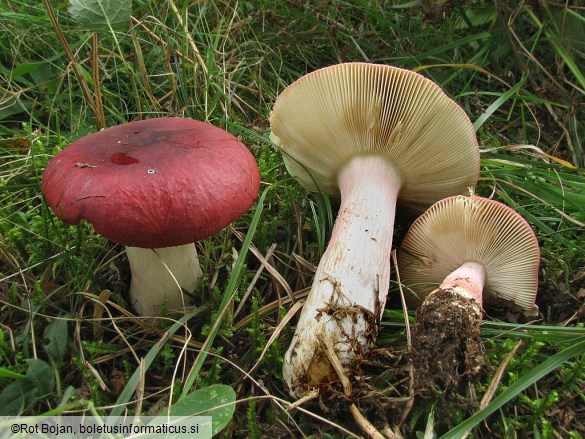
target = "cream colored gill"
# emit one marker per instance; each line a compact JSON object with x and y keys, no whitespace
{"x":473,"y":229}
{"x":331,"y":115}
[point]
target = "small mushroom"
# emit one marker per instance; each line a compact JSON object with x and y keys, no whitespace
{"x":371,"y":134}
{"x":155,"y":186}
{"x":462,"y":251}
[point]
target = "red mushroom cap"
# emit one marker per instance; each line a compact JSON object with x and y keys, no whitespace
{"x":153,"y":183}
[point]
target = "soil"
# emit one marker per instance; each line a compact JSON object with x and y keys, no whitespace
{"x":560,"y":301}
{"x":447,"y":350}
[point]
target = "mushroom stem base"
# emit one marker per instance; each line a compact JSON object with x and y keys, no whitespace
{"x":447,"y":349}
{"x":160,"y":275}
{"x":468,"y":280}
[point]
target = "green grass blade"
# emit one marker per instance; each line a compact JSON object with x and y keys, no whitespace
{"x":553,"y":34}
{"x":227,"y":296}
{"x":9,"y":374}
{"x":497,"y":104}
{"x":545,"y":333}
{"x":511,"y":392}
{"x":130,"y":388}
{"x":568,"y":59}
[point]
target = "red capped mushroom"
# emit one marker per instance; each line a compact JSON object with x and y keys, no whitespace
{"x":155,"y":186}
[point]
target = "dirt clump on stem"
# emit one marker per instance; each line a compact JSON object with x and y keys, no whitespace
{"x":447,"y":351}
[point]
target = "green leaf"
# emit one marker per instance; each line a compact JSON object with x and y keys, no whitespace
{"x":217,"y":401}
{"x":101,"y":15}
{"x":19,"y":395}
{"x":56,"y":336}
{"x":15,"y":397}
{"x":14,"y":106}
{"x":41,"y":375}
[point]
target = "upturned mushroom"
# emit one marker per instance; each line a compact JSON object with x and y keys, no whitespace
{"x":373,"y":134}
{"x":464,"y":251}
{"x":155,"y":186}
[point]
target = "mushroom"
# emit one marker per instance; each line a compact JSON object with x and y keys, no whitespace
{"x":371,"y":134}
{"x":470,"y":247}
{"x":155,"y":186}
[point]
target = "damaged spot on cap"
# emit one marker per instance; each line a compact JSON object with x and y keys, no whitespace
{"x":122,"y":158}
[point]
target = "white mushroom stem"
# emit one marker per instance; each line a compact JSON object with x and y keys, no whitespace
{"x":468,"y":281}
{"x":351,"y":283}
{"x":159,"y":276}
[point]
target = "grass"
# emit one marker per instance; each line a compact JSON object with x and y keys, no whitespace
{"x":515,"y":68}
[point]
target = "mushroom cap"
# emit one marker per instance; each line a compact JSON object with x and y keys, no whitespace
{"x":463,"y":229}
{"x":327,"y":117}
{"x":153,"y":183}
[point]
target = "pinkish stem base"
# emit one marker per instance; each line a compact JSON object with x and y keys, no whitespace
{"x":468,"y":280}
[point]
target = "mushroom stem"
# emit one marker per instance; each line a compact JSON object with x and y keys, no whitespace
{"x":159,"y":276}
{"x":350,"y":286}
{"x":468,"y":280}
{"x":446,"y":333}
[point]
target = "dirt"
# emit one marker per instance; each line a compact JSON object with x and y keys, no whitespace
{"x":447,"y":350}
{"x":377,"y":407}
{"x":560,"y":301}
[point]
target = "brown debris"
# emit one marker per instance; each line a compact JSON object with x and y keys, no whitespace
{"x":447,"y":352}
